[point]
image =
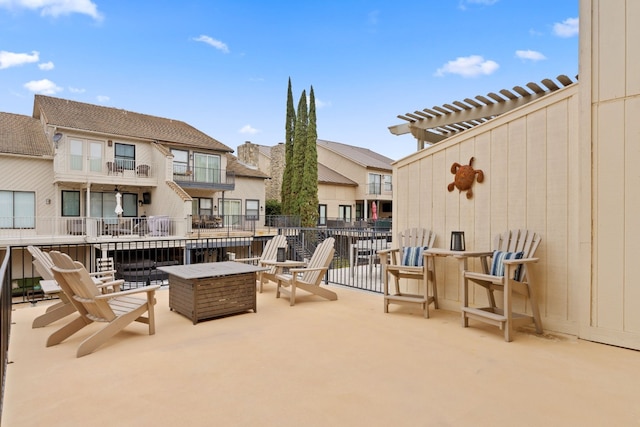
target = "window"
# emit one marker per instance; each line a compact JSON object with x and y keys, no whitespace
{"x":374,"y":183}
{"x":95,"y":156}
{"x":206,"y":168}
{"x":322,"y":215}
{"x":180,"y":161}
{"x":103,"y":205}
{"x":344,"y":212}
{"x":387,"y":183}
{"x":125,"y":156}
{"x":231,"y":209}
{"x":17,"y":209}
{"x":75,"y":155}
{"x":251,"y":209}
{"x":202,"y":206}
{"x":70,"y":203}
{"x":359,"y":211}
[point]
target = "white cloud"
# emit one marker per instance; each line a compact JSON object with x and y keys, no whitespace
{"x":212,"y":42}
{"x":103,"y":99}
{"x":248,"y":130}
{"x":55,"y":8}
{"x":44,"y":86}
{"x":469,"y":66}
{"x":322,"y":104}
{"x":76,"y":90}
{"x":46,"y":66}
{"x":567,"y":28}
{"x":531,"y":55}
{"x":11,"y":59}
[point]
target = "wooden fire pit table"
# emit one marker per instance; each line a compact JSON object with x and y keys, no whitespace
{"x":213,"y":289}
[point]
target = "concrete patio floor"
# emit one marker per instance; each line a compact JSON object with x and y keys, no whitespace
{"x":319,"y":363}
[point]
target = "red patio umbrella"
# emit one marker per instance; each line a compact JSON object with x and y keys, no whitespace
{"x":374,"y":211}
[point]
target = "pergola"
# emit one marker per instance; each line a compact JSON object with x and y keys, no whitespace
{"x":432,"y":125}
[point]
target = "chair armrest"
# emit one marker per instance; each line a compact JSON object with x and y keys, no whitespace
{"x":128,"y":292}
{"x":247,"y":259}
{"x":305,"y":269}
{"x":387,"y":251}
{"x":520,"y":261}
{"x":111,"y":283}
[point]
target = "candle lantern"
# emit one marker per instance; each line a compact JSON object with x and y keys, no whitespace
{"x":281,"y":256}
{"x":457,"y":241}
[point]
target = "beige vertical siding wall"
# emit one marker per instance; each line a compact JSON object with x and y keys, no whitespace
{"x":530,"y":160}
{"x":29,"y":174}
{"x":610,"y":58}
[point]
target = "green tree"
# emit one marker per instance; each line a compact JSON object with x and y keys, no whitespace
{"x":299,"y":151}
{"x":309,"y":187}
{"x":285,"y":191}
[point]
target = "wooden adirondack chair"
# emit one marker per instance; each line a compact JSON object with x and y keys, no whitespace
{"x":269,"y":253}
{"x":308,"y":278}
{"x":43,"y":264}
{"x":407,"y":261}
{"x":116,"y":309}
{"x":509,"y":273}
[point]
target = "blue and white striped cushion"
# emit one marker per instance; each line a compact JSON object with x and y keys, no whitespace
{"x":412,"y":256}
{"x":497,"y":267}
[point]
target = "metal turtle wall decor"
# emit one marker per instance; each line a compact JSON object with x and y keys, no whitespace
{"x":465,"y":176}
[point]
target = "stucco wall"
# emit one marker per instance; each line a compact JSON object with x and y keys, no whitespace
{"x":334,"y":196}
{"x":529,"y":159}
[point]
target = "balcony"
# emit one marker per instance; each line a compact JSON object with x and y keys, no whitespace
{"x":204,"y":178}
{"x":78,"y":167}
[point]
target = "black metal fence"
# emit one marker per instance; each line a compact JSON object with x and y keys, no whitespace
{"x":5,"y":320}
{"x":355,"y":264}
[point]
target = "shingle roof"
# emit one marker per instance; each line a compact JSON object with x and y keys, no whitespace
{"x":234,"y":165}
{"x":329,"y":176}
{"x":112,"y":121}
{"x":362,"y":156}
{"x":23,"y":135}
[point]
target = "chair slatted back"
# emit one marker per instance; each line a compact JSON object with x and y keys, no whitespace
{"x":412,"y":237}
{"x":42,"y":261}
{"x":75,"y":281}
{"x":416,"y":237}
{"x":321,"y":258}
{"x":270,"y":251}
{"x":524,"y":241}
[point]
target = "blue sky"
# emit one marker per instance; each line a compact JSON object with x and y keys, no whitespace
{"x":223,"y":66}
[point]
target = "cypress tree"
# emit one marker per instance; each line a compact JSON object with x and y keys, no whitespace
{"x":309,"y":187}
{"x":285,"y":190}
{"x":299,"y":149}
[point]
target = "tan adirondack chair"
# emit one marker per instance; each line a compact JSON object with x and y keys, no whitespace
{"x":116,"y":309}
{"x":43,"y":264}
{"x":309,"y":278}
{"x":502,"y":277}
{"x":269,"y":253}
{"x":398,"y":263}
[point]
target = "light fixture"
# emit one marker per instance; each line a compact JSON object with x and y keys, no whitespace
{"x":140,"y":203}
{"x":215,"y":208}
{"x":261,"y":208}
{"x":57,"y":137}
